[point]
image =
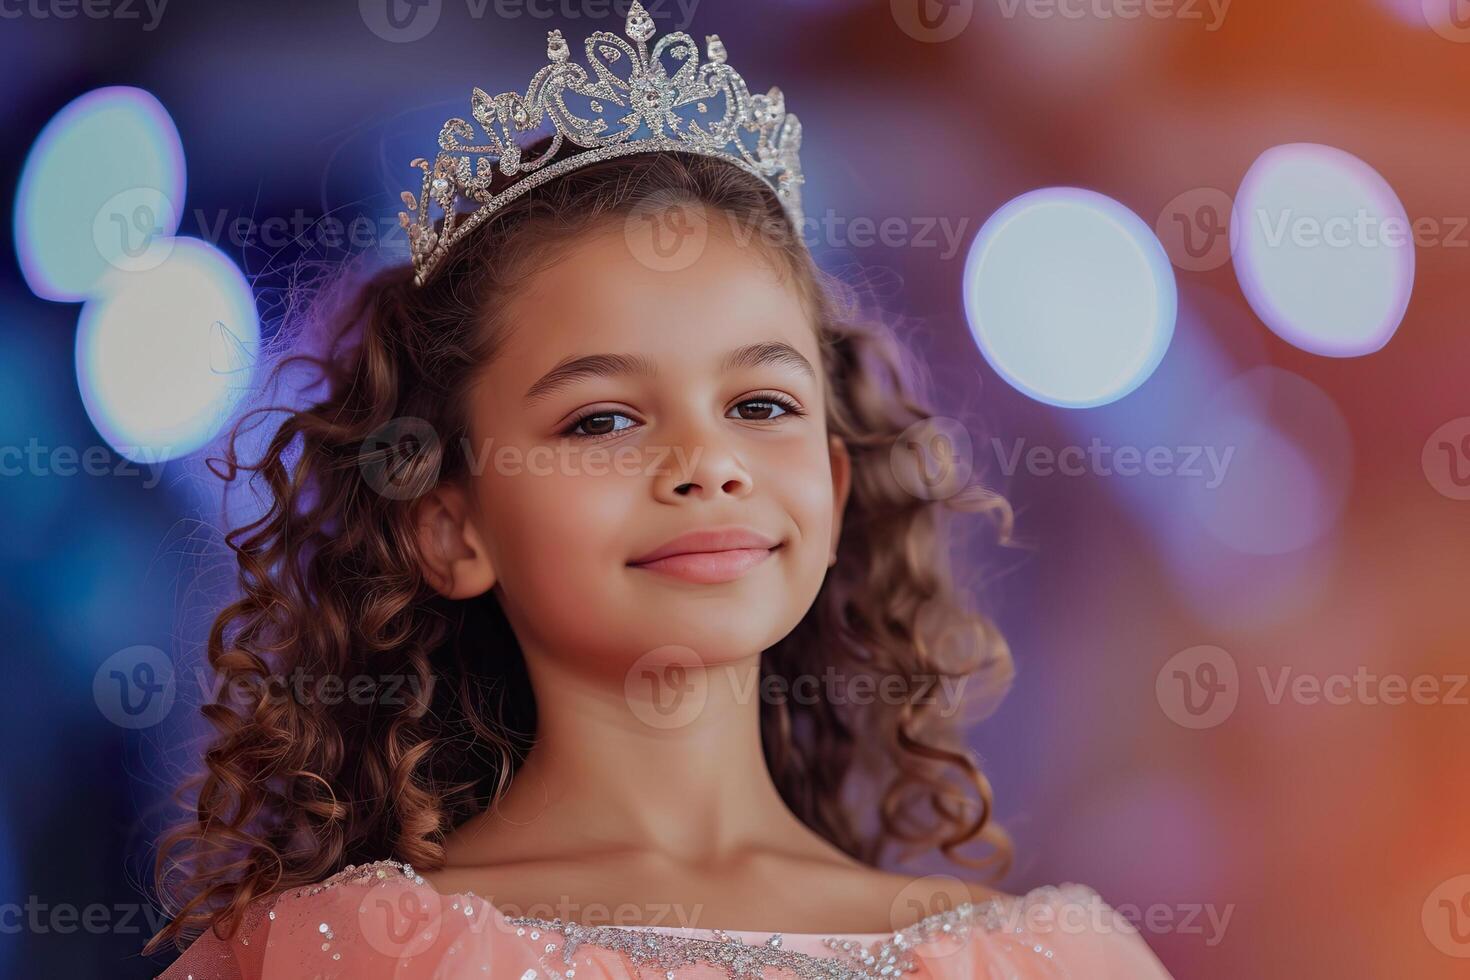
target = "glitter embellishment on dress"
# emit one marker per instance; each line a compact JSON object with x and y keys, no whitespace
{"x":559,"y":941}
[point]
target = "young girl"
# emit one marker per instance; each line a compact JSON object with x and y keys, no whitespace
{"x":596,"y":595}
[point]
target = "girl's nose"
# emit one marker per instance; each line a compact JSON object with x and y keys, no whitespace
{"x":702,"y":464}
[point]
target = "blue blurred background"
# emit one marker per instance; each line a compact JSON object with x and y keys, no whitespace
{"x":1239,"y":458}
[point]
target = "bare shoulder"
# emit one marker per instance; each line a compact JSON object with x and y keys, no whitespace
{"x":915,"y":897}
{"x":981,"y":893}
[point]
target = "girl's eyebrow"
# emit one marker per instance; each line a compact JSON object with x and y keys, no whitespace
{"x":575,"y":369}
{"x":767,"y":352}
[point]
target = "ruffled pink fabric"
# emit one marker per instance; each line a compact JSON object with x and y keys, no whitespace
{"x":377,"y":921}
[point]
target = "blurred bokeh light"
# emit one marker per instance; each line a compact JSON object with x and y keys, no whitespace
{"x":1070,"y":297}
{"x":1325,"y":250}
{"x":104,"y":179}
{"x":164,"y":355}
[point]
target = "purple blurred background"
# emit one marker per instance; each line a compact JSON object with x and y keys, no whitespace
{"x":1306,"y":825}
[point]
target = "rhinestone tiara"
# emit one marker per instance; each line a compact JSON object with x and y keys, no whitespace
{"x":642,"y":108}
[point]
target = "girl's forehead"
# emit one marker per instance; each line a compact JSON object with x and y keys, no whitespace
{"x":789,"y":357}
{"x":603,"y":296}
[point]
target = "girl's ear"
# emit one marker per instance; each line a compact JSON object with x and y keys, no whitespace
{"x":452,"y":554}
{"x":841,"y":484}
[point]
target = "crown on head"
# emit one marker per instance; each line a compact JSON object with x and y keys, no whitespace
{"x":642,"y":107}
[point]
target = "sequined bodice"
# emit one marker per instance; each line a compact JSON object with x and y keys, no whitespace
{"x":652,"y":948}
{"x":383,"y":919}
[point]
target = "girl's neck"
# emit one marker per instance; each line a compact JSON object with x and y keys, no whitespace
{"x":666,"y":761}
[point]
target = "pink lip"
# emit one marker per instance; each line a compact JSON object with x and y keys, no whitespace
{"x":710,"y":555}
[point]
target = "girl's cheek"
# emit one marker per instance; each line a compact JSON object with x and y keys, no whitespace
{"x":572,"y":508}
{"x":808,"y":471}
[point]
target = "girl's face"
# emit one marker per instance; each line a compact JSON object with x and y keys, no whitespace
{"x":632,"y":405}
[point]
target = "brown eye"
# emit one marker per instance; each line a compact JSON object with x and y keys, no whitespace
{"x":767,"y":408}
{"x":758,"y":411}
{"x":598,"y":425}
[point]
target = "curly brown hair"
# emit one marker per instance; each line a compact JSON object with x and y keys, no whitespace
{"x":329,"y":580}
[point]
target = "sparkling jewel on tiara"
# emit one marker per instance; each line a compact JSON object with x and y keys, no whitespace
{"x":642,"y":107}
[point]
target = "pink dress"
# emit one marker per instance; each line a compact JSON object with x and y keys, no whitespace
{"x":382,"y":920}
